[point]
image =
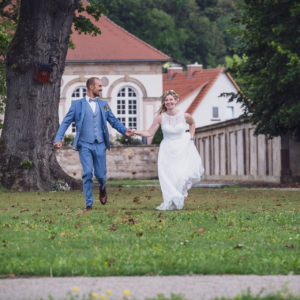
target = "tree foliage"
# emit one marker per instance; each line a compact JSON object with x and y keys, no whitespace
{"x":187,"y":30}
{"x":270,"y":69}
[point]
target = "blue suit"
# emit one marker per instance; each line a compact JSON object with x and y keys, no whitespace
{"x":91,"y":140}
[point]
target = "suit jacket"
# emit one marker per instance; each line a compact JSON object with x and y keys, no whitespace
{"x":76,"y":113}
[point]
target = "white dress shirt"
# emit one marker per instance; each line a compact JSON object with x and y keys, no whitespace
{"x":92,"y":103}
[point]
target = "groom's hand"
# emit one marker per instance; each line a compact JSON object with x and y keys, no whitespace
{"x":129,"y":132}
{"x":57,"y":145}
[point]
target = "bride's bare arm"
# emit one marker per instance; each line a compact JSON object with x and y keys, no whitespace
{"x":153,"y":128}
{"x":189,"y":119}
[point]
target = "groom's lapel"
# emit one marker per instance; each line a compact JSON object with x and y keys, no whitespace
{"x":102,"y":111}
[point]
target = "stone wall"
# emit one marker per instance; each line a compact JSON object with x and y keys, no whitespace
{"x":229,"y":151}
{"x":138,"y":162}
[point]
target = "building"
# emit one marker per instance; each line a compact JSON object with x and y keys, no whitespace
{"x":199,"y":93}
{"x":130,"y":70}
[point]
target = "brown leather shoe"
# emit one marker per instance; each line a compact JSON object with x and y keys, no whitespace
{"x":102,"y":195}
{"x":88,"y":208}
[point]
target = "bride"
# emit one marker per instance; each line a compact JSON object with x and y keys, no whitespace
{"x":179,"y":164}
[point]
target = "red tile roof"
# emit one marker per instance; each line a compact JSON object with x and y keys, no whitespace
{"x":201,"y":81}
{"x":114,"y":44}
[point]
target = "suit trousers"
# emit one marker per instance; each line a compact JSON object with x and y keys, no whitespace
{"x":92,"y":157}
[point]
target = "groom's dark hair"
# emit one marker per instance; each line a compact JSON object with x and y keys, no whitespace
{"x":91,"y":81}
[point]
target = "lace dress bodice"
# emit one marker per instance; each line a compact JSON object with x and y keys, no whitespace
{"x":173,"y":127}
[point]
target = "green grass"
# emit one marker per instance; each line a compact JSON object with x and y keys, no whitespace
{"x":246,"y":296}
{"x":133,"y":182}
{"x":39,"y":234}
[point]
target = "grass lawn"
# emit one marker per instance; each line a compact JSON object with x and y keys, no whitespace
{"x":132,"y":182}
{"x":245,"y":232}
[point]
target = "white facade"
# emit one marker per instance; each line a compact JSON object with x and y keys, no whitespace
{"x":146,"y":90}
{"x":203,"y":115}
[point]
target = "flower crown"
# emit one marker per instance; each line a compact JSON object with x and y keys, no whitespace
{"x":170,"y":92}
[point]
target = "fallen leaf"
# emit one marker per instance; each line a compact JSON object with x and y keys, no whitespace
{"x":77,"y":225}
{"x":15,"y":217}
{"x":282,"y":226}
{"x":122,"y":217}
{"x":11,"y":275}
{"x":152,"y":188}
{"x":43,"y":199}
{"x":201,"y":230}
{"x":238,"y":246}
{"x":148,"y":197}
{"x":111,"y":261}
{"x":290,"y":246}
{"x":52,"y":237}
{"x":243,"y":258}
{"x":128,"y":213}
{"x":160,"y":215}
{"x":7,"y":225}
{"x":278,"y":205}
{"x":215,"y":217}
{"x":255,"y":212}
{"x":153,"y":213}
{"x":139,"y":233}
{"x":135,"y":199}
{"x":229,"y":224}
{"x":295,"y":228}
{"x":231,"y":237}
{"x":35,"y":214}
{"x":131,"y":221}
{"x":275,"y":200}
{"x":138,"y":202}
{"x":113,"y":227}
{"x":63,"y":234}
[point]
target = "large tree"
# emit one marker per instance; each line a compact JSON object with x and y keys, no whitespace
{"x":270,"y":68}
{"x":27,"y":157}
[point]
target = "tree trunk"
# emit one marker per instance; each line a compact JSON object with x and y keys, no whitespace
{"x":31,"y":113}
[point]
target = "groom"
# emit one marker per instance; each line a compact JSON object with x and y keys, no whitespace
{"x":92,"y":139}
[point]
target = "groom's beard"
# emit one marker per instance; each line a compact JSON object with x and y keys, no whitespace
{"x":97,"y":95}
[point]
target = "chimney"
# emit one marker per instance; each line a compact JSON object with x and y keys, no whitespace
{"x":191,"y":69}
{"x":172,"y":70}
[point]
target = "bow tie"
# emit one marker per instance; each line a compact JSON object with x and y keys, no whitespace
{"x":92,"y":100}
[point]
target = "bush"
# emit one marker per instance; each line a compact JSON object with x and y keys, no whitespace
{"x":158,"y":137}
{"x":60,"y":186}
{"x":68,"y":140}
{"x":124,"y":140}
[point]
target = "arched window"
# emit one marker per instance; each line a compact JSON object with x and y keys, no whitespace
{"x":77,"y":94}
{"x":127,"y":107}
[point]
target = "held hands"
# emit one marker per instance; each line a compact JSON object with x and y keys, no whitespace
{"x":129,"y":132}
{"x":57,"y":145}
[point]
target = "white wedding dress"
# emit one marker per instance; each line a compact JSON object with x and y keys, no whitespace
{"x":179,"y":163}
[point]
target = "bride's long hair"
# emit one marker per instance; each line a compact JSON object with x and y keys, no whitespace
{"x":163,"y":108}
